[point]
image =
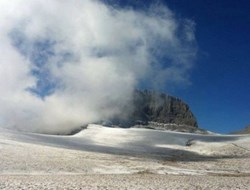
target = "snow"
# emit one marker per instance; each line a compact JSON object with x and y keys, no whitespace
{"x":100,"y":150}
{"x":117,"y":140}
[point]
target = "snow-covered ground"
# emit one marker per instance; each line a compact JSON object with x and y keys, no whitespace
{"x":117,"y":153}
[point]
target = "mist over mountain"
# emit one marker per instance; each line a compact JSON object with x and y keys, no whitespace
{"x":60,"y":71}
{"x":151,"y":109}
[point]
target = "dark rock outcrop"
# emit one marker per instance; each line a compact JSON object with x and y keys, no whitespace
{"x":150,"y":106}
{"x":158,"y":111}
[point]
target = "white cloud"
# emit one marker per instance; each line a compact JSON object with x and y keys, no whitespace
{"x":85,"y":57}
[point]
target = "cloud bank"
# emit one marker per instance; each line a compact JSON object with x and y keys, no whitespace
{"x":67,"y":63}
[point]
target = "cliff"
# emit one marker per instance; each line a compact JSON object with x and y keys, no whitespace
{"x":156,"y":110}
{"x":150,"y":106}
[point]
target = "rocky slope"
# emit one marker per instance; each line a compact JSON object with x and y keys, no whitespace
{"x":159,"y":111}
{"x":243,"y":131}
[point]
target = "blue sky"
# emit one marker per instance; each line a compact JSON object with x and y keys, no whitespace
{"x":219,"y":93}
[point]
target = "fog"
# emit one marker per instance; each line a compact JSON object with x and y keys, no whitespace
{"x":64,"y":63}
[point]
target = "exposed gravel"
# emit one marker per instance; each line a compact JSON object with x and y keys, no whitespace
{"x":122,"y":182}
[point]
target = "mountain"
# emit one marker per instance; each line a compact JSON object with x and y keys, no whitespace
{"x":243,"y":131}
{"x":158,"y":111}
{"x":157,"y":107}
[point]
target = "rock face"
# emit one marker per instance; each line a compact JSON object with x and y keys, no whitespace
{"x":158,"y":111}
{"x":157,"y":107}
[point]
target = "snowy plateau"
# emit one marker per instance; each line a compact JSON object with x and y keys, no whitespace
{"x":100,"y":157}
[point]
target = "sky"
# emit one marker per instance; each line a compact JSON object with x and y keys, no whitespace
{"x":68,"y":63}
{"x":218,"y":93}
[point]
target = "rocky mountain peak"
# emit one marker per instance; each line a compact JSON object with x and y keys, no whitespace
{"x":157,"y":110}
{"x":151,"y":106}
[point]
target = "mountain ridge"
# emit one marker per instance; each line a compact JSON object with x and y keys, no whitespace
{"x":246,"y":130}
{"x":156,"y":110}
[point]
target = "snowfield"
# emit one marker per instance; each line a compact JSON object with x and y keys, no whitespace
{"x":113,"y":158}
